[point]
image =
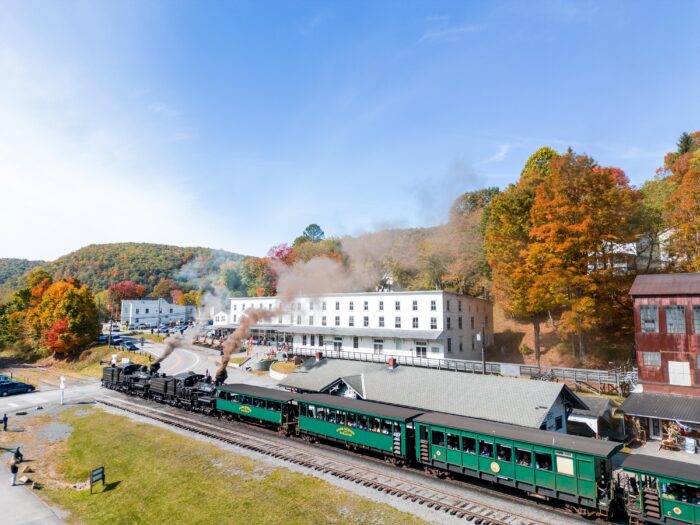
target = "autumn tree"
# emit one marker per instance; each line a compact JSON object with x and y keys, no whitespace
{"x":683,"y":206}
{"x":507,"y":242}
{"x":165,"y":288}
{"x":581,"y":217}
{"x":125,"y":290}
{"x":258,"y":277}
{"x":191,"y":298}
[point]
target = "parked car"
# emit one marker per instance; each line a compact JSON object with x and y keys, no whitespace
{"x":14,"y":387}
{"x":129,"y":346}
{"x":4,"y":378}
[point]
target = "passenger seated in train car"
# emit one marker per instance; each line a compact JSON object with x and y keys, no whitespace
{"x":524,"y":459}
{"x":486,"y":449}
{"x":386,"y":427}
{"x":362,"y":422}
{"x":352,"y":420}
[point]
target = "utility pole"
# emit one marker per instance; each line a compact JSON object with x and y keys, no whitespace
{"x":483,"y":348}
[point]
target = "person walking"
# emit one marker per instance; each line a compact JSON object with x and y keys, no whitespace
{"x":13,"y":470}
{"x":4,"y":422}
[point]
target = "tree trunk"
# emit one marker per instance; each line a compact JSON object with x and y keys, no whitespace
{"x":536,"y":326}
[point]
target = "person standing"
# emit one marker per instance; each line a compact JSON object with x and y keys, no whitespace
{"x":13,"y":470}
{"x":4,"y":422}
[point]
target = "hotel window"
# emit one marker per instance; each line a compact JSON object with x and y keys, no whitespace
{"x":137,"y":310}
{"x":242,"y":307}
{"x":461,"y":346}
{"x":459,"y":305}
{"x":433,"y":306}
{"x":415,"y":306}
{"x":337,"y":320}
{"x":323,"y":321}
{"x":235,"y":307}
{"x":696,"y":319}
{"x":311,"y":306}
{"x":433,"y":323}
{"x":320,"y":340}
{"x":311,"y":320}
{"x":675,"y":319}
{"x":381,"y":322}
{"x":337,"y":305}
{"x":415,"y":322}
{"x":448,"y":305}
{"x":171,"y":310}
{"x":366,"y":305}
{"x":323,"y":305}
{"x":449,"y":323}
{"x":473,"y":341}
{"x":146,"y":310}
{"x":234,"y":318}
{"x":313,"y":340}
{"x":356,"y":342}
{"x":649,"y":317}
{"x":486,"y":320}
{"x":279,"y":320}
{"x":651,"y":358}
{"x":365,"y":321}
{"x":269,"y":306}
{"x":459,"y":322}
{"x":381,"y":305}
{"x":298,"y":319}
{"x":352,"y":305}
{"x":397,"y":322}
{"x":303,"y":340}
{"x":351,"y":320}
{"x":397,"y":305}
{"x":449,"y":344}
{"x":472,"y":323}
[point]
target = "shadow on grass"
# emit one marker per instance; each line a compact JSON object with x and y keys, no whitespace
{"x":111,"y":486}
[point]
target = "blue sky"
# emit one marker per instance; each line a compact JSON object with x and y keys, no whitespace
{"x":235,"y":124}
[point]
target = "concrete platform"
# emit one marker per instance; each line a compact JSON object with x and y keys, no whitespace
{"x":20,"y":506}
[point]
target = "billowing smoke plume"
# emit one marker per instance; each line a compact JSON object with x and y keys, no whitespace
{"x":171,"y":343}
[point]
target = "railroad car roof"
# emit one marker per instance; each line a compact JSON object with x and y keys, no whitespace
{"x":665,"y":467}
{"x":356,"y":405}
{"x":595,"y":447}
{"x":258,"y":391}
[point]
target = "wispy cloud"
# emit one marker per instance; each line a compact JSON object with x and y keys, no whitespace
{"x":313,"y":23}
{"x":449,"y":33}
{"x":501,"y":154}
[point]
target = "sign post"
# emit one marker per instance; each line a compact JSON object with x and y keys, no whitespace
{"x":143,"y":339}
{"x":97,"y":475}
{"x":62,"y":387}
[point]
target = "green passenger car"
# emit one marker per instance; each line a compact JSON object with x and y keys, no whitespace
{"x":662,"y":491}
{"x":256,"y":404}
{"x":547,"y":463}
{"x":382,"y":428}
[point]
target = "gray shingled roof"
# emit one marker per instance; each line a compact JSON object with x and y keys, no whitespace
{"x":663,"y":406}
{"x":506,"y":400}
{"x":597,"y":406}
{"x":666,"y":284}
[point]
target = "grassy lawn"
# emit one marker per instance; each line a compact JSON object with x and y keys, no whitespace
{"x":238,"y":360}
{"x":156,"y":476}
{"x":286,"y":367}
{"x":89,"y":363}
{"x":156,"y":338}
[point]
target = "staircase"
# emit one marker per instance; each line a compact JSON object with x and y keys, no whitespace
{"x":651,"y":503}
{"x":424,"y":451}
{"x":397,"y":444}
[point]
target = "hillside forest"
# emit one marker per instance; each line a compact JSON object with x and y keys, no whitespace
{"x":557,"y":251}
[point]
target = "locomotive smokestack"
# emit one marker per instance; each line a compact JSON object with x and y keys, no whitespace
{"x":155,"y":367}
{"x":221,"y":376}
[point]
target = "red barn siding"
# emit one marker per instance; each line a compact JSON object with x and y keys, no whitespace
{"x":673,"y":347}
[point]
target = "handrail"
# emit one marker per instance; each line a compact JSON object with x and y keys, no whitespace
{"x":609,"y":377}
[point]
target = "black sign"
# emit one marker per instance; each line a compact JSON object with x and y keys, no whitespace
{"x":97,"y":475}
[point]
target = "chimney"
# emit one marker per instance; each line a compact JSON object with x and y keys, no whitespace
{"x":319,"y":355}
{"x":392,"y":363}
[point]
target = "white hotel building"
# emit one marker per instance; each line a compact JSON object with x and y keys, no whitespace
{"x":148,"y":313}
{"x":433,"y":324}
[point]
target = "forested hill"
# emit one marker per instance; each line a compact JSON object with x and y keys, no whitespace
{"x":12,"y":270}
{"x":100,"y":265}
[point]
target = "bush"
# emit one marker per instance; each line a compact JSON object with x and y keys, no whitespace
{"x":525,"y":350}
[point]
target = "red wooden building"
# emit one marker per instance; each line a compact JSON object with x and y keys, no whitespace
{"x":667,"y":332}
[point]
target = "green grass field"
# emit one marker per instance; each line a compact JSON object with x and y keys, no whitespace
{"x":156,"y":476}
{"x":89,"y":363}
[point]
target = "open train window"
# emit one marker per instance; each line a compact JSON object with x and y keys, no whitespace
{"x":438,"y":438}
{"x":302,"y":410}
{"x":375,"y":424}
{"x":397,"y":427}
{"x":468,"y":445}
{"x":332,"y":416}
{"x":386,"y":427}
{"x":260,"y":403}
{"x":543,"y":461}
{"x":273,"y":405}
{"x":362,"y":422}
{"x":312,"y":411}
{"x":245,"y":400}
{"x":342,"y":417}
{"x":485,"y":449}
{"x":504,"y":453}
{"x":523,"y":457}
{"x":352,"y":419}
{"x":320,"y":413}
{"x":452,"y":442}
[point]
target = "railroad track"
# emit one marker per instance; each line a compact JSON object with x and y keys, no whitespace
{"x":457,"y":506}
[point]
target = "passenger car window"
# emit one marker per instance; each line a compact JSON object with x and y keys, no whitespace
{"x":523,"y":457}
{"x":468,"y":445}
{"x":452,"y":442}
{"x":485,"y":449}
{"x":438,"y":438}
{"x":543,"y":461}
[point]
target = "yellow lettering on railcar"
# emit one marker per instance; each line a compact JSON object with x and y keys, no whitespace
{"x":345,"y":431}
{"x":245,"y":409}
